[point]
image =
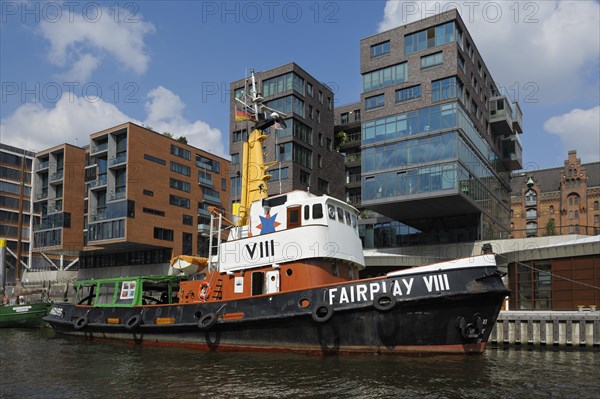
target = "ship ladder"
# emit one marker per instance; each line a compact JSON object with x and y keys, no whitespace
{"x":216,"y":222}
{"x":218,"y":291}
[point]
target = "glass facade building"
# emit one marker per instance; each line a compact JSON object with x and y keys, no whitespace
{"x":435,"y":157}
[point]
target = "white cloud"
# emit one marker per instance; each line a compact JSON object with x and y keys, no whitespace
{"x":72,"y":119}
{"x":548,"y":43}
{"x":578,"y":130}
{"x":82,"y":69}
{"x":73,"y":38}
{"x":165,"y":115}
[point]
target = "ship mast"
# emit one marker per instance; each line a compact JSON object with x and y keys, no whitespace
{"x":254,"y":174}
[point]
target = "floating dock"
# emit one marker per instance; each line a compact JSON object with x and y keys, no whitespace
{"x":548,"y":328}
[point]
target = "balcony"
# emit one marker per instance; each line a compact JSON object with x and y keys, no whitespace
{"x":512,"y":153}
{"x":505,"y":117}
{"x":353,"y":181}
{"x":42,"y":165}
{"x":98,"y":216}
{"x":119,"y":160}
{"x":353,"y":200}
{"x":98,"y":148}
{"x":204,"y":181}
{"x":98,"y":183}
{"x":56,"y":177}
{"x":211,"y":198}
{"x":352,"y":159}
{"x":203,"y":212}
{"x":55,"y":206}
{"x":119,"y":195}
{"x":43,"y":195}
{"x":203,"y":228}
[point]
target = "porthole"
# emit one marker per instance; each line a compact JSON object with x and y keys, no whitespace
{"x":289,"y":272}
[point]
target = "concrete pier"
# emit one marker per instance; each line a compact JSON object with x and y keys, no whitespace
{"x":548,"y":328}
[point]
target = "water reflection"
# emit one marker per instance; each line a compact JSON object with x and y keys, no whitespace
{"x":36,"y":364}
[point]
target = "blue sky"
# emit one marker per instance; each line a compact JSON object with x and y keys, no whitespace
{"x":70,"y":69}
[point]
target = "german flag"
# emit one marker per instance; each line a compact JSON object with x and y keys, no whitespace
{"x":243,"y":116}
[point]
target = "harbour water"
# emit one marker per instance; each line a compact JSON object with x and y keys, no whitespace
{"x":39,"y":364}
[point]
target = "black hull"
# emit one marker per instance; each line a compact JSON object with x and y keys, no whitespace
{"x":458,"y":320}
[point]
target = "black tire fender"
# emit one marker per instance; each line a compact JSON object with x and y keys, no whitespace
{"x":207,"y":321}
{"x":384,"y":302}
{"x":322,"y":312}
{"x":133,"y":322}
{"x":80,"y":322}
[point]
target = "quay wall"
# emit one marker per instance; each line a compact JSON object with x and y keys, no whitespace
{"x":548,"y":328}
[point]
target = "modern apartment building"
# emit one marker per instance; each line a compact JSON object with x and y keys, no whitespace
{"x":58,"y":183}
{"x":11,"y":161}
{"x":556,"y":201}
{"x":132,"y":197}
{"x":438,"y":138}
{"x":302,"y":156}
{"x":148,"y":197}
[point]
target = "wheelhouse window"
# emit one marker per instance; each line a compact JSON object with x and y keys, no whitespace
{"x":293,"y":217}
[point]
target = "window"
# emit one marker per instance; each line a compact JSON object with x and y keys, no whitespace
{"x":323,"y":186}
{"x":340,"y":214}
{"x":223,"y":184}
{"x":293,"y":217}
{"x":460,"y":61}
{"x":534,"y":287}
{"x":432,"y":37}
{"x":530,"y":197}
{"x":288,"y":105}
{"x":551,"y":209}
{"x":595,"y":205}
{"x":444,"y":89}
{"x":284,"y":152}
{"x":149,"y":193}
{"x":331,"y":211}
{"x":321,"y":139}
{"x":385,"y":77}
{"x":329,"y":144}
{"x":596,"y":219}
{"x":309,"y":89}
{"x":377,"y":50}
{"x":210,"y":195}
{"x":344,"y":118}
{"x":180,"y":185}
{"x":187,"y":243}
{"x":208,"y":164}
{"x":240,"y":135}
{"x":408,"y":93}
{"x":179,"y":201}
{"x":155,"y":160}
{"x":181,"y":169}
{"x":329,"y":103}
{"x":304,"y":177}
{"x":283,"y":83}
{"x":374,"y":102}
{"x":320,"y":97}
{"x":431,"y":60}
{"x":181,"y":152}
{"x":302,"y":155}
{"x":188,"y":220}
{"x":163,"y":234}
{"x":317,"y":211}
{"x":151,"y":211}
{"x":235,"y":159}
{"x":279,"y":174}
{"x":318,"y":116}
{"x":205,"y":178}
{"x":311,"y":113}
{"x":306,"y":212}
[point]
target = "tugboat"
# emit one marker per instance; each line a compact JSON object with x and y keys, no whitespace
{"x":283,"y":275}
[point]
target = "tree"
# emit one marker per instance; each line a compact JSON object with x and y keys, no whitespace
{"x":550,"y":228}
{"x":182,"y":140}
